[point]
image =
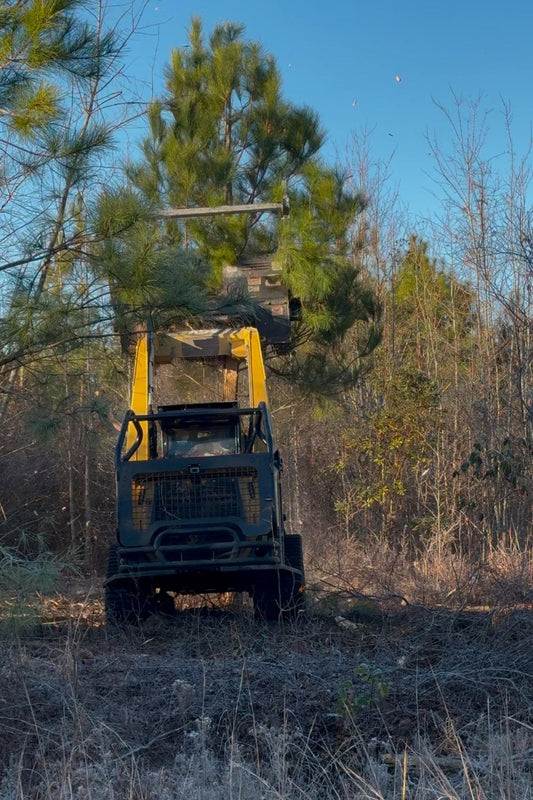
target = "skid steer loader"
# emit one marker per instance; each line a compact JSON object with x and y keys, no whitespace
{"x":199,"y":506}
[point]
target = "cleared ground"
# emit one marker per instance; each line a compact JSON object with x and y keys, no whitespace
{"x":373,"y":700}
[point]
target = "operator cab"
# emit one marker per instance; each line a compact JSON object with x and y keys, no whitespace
{"x":200,"y":435}
{"x":199,"y":439}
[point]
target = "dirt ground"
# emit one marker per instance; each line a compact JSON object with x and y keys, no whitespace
{"x":354,"y":696}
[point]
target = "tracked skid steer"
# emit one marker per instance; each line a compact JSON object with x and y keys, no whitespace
{"x":199,"y":506}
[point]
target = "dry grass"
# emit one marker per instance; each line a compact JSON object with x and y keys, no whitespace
{"x":438,"y":577}
{"x":388,"y":701}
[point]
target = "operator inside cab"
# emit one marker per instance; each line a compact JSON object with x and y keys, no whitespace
{"x":198,"y":439}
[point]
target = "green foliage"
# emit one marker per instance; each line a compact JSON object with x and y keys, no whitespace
{"x":45,"y":428}
{"x":424,"y":460}
{"x":505,"y":464}
{"x":224,"y":134}
{"x":53,"y":64}
{"x":313,"y":249}
{"x":56,"y":322}
{"x":116,"y":212}
{"x":367,"y":690}
{"x":383,"y":457}
{"x":148,"y":274}
{"x":24,"y":580}
{"x":40,"y":38}
{"x":35,"y":107}
{"x":433,"y":305}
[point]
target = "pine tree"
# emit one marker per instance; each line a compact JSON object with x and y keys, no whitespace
{"x":57,"y":63}
{"x":55,"y":129}
{"x":224,"y":134}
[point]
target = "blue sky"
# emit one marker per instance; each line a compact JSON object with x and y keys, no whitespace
{"x":342,"y":58}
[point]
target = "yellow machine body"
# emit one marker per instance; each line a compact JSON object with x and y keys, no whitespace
{"x":232,"y":345}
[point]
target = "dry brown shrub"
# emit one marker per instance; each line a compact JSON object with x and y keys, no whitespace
{"x":437,"y":577}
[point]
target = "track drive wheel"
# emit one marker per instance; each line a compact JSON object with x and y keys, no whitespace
{"x":293,"y":583}
{"x":266,"y":598}
{"x":280,"y":596}
{"x":124,"y":602}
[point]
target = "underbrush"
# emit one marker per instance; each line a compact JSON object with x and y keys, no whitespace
{"x":408,"y":679}
{"x":438,"y":575}
{"x":288,"y":768}
{"x":408,"y":703}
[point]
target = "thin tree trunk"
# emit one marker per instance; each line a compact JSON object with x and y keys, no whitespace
{"x":87,"y":521}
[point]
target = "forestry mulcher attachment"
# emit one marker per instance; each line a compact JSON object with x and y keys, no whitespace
{"x":198,"y":486}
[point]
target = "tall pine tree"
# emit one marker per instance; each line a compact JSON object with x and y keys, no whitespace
{"x":223,"y":133}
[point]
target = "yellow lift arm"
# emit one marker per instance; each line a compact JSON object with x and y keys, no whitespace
{"x":241,"y":344}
